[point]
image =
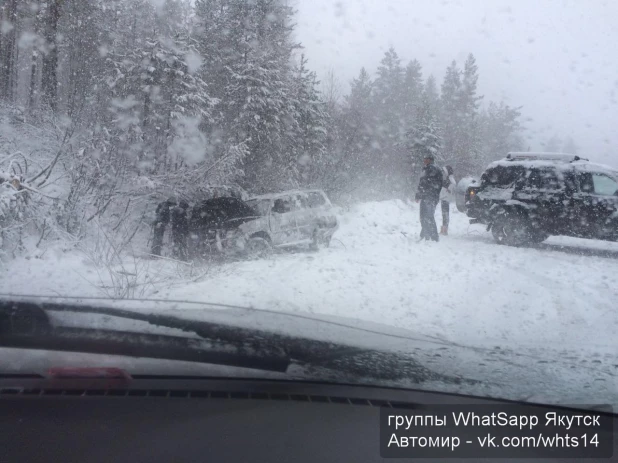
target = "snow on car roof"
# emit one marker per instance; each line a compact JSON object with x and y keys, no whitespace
{"x":528,"y":163}
{"x":581,"y":164}
{"x":593,"y":166}
{"x":283,"y":193}
{"x":558,"y":164}
{"x":540,"y":156}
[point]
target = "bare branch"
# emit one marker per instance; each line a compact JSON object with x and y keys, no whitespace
{"x":47,"y":169}
{"x":101,"y":209}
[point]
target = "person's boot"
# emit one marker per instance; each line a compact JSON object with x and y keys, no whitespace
{"x":443,"y":230}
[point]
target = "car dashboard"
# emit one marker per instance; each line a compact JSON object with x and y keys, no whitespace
{"x":164,"y":419}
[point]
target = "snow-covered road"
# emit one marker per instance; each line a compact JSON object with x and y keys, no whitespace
{"x":562,"y":295}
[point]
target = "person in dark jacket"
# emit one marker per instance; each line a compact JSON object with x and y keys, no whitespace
{"x":180,"y":230}
{"x":161,"y":221}
{"x":428,"y":194}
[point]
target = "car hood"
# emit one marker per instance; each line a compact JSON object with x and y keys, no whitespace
{"x":380,"y":355}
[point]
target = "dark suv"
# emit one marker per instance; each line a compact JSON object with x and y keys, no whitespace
{"x":527,"y":197}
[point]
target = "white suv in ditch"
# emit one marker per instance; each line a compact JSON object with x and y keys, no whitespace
{"x":290,"y":218}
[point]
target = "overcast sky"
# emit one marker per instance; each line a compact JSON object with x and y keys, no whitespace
{"x":556,"y":58}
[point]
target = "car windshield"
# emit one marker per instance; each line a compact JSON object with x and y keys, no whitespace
{"x":432,"y":185}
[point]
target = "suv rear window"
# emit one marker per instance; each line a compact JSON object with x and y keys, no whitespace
{"x":501,"y":176}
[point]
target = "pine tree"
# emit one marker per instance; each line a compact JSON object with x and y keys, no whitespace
{"x":35,"y":15}
{"x":331,"y":93}
{"x":460,"y":106}
{"x":424,"y":138}
{"x":151,"y":96}
{"x":392,"y":123}
{"x":83,"y":22}
{"x":8,"y":48}
{"x":389,"y":96}
{"x":501,"y":131}
{"x":307,"y":144}
{"x":248,"y":49}
{"x":469,"y":155}
{"x":451,"y":118}
{"x":50,"y":58}
{"x":431,"y":95}
{"x":361,"y":92}
{"x":413,"y":89}
{"x":354,"y":164}
{"x":469,"y":101}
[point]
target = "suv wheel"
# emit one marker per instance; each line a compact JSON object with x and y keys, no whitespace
{"x":512,"y":229}
{"x":258,"y":247}
{"x":537,"y":236}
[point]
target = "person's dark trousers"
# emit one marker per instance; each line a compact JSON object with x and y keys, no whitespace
{"x":429,"y":230}
{"x":445,"y":213}
{"x":157,"y":240}
{"x":162,"y":219}
{"x":180,"y":233}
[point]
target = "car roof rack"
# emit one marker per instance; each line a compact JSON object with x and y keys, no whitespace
{"x":556,"y":157}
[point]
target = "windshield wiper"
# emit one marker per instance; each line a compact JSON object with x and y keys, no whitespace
{"x":29,"y":325}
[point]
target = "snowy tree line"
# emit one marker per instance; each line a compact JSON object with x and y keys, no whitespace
{"x":178,"y":93}
{"x":153,"y":96}
{"x":387,"y":124}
